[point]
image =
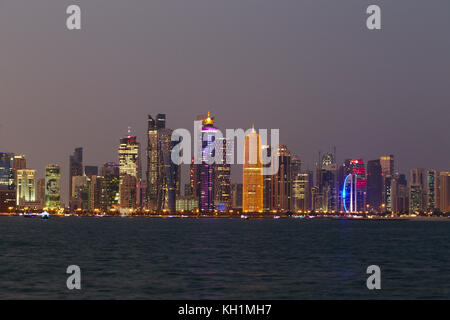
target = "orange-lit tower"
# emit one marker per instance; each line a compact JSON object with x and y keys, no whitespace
{"x":252,"y":179}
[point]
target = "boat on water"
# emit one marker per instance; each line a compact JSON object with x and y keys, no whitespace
{"x":276,"y":217}
{"x":44,"y":215}
{"x":28,"y":215}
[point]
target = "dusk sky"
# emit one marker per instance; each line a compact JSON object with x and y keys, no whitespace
{"x":310,"y":68}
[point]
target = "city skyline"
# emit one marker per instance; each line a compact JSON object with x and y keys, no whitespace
{"x":236,"y":170}
{"x":333,"y":187}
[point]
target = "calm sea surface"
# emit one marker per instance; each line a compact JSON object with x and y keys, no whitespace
{"x":142,"y":258}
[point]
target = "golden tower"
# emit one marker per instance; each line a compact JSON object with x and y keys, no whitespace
{"x":252,"y":178}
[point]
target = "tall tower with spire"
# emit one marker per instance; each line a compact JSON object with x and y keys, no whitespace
{"x":207,"y":191}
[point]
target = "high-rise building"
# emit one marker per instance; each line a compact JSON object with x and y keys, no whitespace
{"x":444,"y":182}
{"x":297,"y":190}
{"x":19,"y":163}
{"x":353,"y":185}
{"x":432,"y":190}
{"x":75,"y":167}
{"x":267,"y":151}
{"x":163,"y":176}
{"x":252,"y":179}
{"x":194,"y":179}
{"x":222,"y":176}
{"x":6,"y":171}
{"x":387,"y":172}
{"x":154,"y":160}
{"x":236,"y":195}
{"x":80,"y":193}
{"x":169,"y":175}
{"x":374,"y":185}
{"x":53,"y":187}
{"x":387,"y":165}
{"x":359,"y":170}
{"x":281,"y":182}
{"x":207,"y":192}
{"x":128,"y":192}
{"x":7,"y":186}
{"x":417,"y":190}
{"x":399,"y":194}
{"x":109,"y":186}
{"x":40,"y":190}
{"x":129,"y":165}
{"x":26,"y":186}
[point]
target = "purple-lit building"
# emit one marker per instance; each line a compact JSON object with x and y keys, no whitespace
{"x":206,"y":201}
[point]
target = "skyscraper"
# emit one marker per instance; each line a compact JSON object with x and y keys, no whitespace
{"x":432,"y":190}
{"x":53,"y":187}
{"x":6,"y":171}
{"x":109,"y":186}
{"x":7,"y":185}
{"x":374,"y":185}
{"x":281,"y":182}
{"x":359,"y":170}
{"x":444,"y":178}
{"x":206,"y":203}
{"x":298,"y":185}
{"x":40,"y":190}
{"x":387,"y":165}
{"x":222,"y":176}
{"x":26,"y":186}
{"x":129,"y":165}
{"x":252,"y":179}
{"x":154,"y":160}
{"x":417,"y":190}
{"x":387,"y":172}
{"x":75,"y":167}
{"x":163,"y":176}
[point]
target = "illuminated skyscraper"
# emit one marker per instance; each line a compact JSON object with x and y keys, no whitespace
{"x":387,"y":172}
{"x":359,"y":170}
{"x":109,"y":186}
{"x":267,"y":150}
{"x":53,"y":187}
{"x":6,"y":171}
{"x":7,"y":186}
{"x":163,"y":176}
{"x":26,"y":186}
{"x":354,"y":186}
{"x":252,"y":180}
{"x":129,"y":165}
{"x":194,"y":179}
{"x":432,"y":190}
{"x":169,"y":175}
{"x":298,"y":185}
{"x":387,"y":165}
{"x":417,"y":190}
{"x":206,"y":203}
{"x":222,"y":176}
{"x":154,"y":161}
